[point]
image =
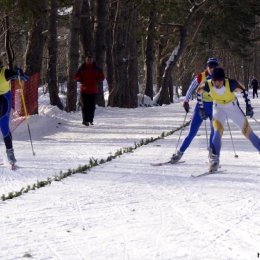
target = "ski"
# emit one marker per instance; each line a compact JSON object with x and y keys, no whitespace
{"x":12,"y":167}
{"x":165,"y":163}
{"x":207,"y":173}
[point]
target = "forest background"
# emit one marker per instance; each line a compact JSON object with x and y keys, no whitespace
{"x":153,"y":47}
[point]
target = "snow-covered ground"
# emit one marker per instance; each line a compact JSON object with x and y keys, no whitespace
{"x":126,"y":208}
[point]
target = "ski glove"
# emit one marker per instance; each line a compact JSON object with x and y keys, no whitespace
{"x":21,"y":74}
{"x":202,"y":113}
{"x":249,"y":111}
{"x":186,"y":106}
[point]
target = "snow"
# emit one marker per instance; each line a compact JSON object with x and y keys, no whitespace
{"x":126,"y":208}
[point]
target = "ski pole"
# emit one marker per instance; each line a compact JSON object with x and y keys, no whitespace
{"x":25,"y":112}
{"x":206,"y":131}
{"x":236,"y":156}
{"x":181,"y":132}
{"x":256,"y":120}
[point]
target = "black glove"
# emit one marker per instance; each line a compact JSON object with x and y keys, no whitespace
{"x":249,"y":111}
{"x":21,"y":74}
{"x":186,"y":106}
{"x":203,"y":114}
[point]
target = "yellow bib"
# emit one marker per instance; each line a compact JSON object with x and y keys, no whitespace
{"x":4,"y":84}
{"x":205,"y":96}
{"x":225,"y":98}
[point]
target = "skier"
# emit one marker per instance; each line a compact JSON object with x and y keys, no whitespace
{"x":196,"y":120}
{"x":254,"y":84}
{"x":225,"y":106}
{"x":5,"y":107}
{"x":89,"y":75}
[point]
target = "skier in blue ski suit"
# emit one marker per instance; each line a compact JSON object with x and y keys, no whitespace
{"x":196,"y":120}
{"x":5,"y":107}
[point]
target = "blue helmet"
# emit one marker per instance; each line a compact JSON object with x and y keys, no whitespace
{"x":212,"y":62}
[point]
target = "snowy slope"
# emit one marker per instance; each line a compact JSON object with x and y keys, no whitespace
{"x":128,"y":209}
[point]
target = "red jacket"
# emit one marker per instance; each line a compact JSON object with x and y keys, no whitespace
{"x":89,"y":76}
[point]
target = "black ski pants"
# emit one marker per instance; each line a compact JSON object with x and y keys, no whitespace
{"x":255,"y":92}
{"x":88,"y":103}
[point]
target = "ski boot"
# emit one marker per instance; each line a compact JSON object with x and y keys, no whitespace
{"x":214,"y":163}
{"x":85,"y":123}
{"x":176,"y":157}
{"x":11,"y":157}
{"x":210,"y":153}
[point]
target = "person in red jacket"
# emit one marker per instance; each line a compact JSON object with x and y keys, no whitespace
{"x":89,"y":75}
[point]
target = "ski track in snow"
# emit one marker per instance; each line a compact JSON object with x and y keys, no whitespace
{"x":128,"y":209}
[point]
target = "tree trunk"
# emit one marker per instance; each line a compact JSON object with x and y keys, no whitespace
{"x":119,"y":53}
{"x":182,"y":46}
{"x":73,"y":58}
{"x":109,"y":44}
{"x":36,"y":41}
{"x":161,"y":61}
{"x":86,"y":29}
{"x":150,"y":51}
{"x":124,"y":92}
{"x":8,"y":45}
{"x":52,"y":63}
{"x":100,"y":43}
{"x":133,"y":61}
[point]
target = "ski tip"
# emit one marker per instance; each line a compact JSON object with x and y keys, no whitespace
{"x":166,"y":163}
{"x":207,"y":173}
{"x":9,"y":166}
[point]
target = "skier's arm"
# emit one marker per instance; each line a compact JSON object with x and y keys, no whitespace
{"x":10,"y":74}
{"x":14,"y":74}
{"x":202,"y":88}
{"x":236,"y":86}
{"x":193,"y":86}
{"x":78,"y":76}
{"x":200,"y":94}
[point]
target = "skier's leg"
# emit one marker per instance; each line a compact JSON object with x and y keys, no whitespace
{"x":5,"y":109}
{"x":88,"y":107}
{"x":238,"y":117}
{"x":208,"y":109}
{"x":84,"y":107}
{"x":92,"y":107}
{"x":194,"y":127}
{"x":217,"y":122}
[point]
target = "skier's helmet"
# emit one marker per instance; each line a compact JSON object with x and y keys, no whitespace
{"x":218,"y":74}
{"x":212,"y":62}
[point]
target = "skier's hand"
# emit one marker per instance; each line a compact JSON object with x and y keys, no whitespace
{"x":24,"y":77}
{"x":21,"y":74}
{"x":186,"y":106}
{"x":203,"y":114}
{"x":249,"y":111}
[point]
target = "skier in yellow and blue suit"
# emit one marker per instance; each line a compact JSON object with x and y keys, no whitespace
{"x":196,"y":120}
{"x":5,"y":107}
{"x":226,"y":106}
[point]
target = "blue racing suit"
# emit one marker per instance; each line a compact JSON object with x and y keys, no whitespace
{"x":6,"y":104}
{"x":196,"y":120}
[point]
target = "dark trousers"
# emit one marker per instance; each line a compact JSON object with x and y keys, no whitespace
{"x":255,"y":92}
{"x":88,"y":102}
